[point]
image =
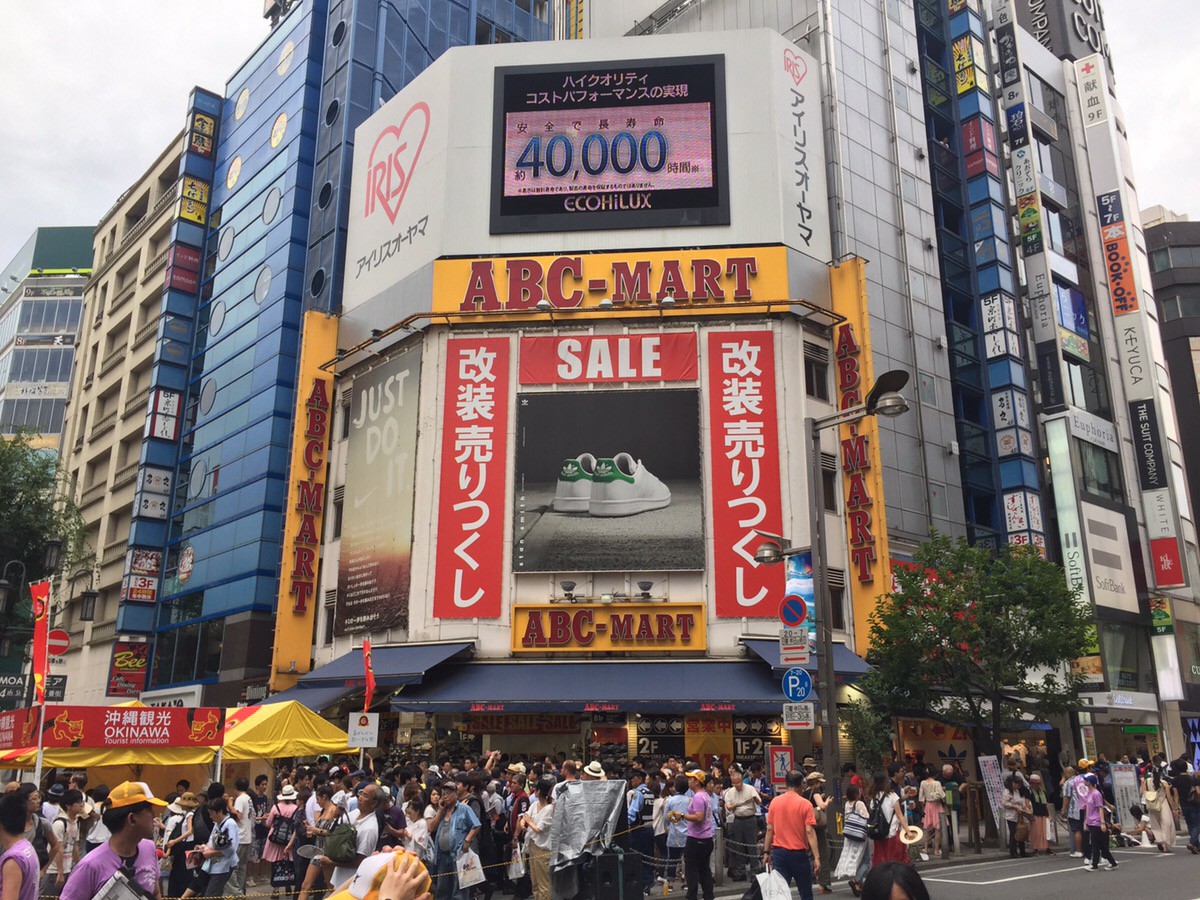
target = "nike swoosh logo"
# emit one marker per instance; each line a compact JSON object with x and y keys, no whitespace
{"x":359,"y":501}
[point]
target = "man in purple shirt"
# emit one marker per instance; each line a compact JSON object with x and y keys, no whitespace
{"x":129,"y":816}
{"x":1093,"y":820}
{"x":699,"y":847}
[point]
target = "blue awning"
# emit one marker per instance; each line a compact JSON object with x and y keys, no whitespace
{"x":314,"y":698}
{"x":848,"y":666}
{"x":741,"y":686}
{"x":394,"y":666}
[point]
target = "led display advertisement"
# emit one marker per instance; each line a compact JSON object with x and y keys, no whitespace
{"x":608,"y":480}
{"x":376,"y":550}
{"x":622,"y":144}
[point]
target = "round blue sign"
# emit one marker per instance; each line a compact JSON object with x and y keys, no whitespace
{"x":793,"y":610}
{"x":797,"y":685}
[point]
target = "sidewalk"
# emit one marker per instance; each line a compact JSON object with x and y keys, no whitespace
{"x":840,"y":888}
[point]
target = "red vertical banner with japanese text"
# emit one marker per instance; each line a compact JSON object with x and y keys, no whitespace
{"x":369,"y":674}
{"x":744,"y":435}
{"x":39,"y":593}
{"x":474,"y":467}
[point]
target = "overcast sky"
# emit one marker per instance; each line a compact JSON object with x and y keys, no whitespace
{"x":90,"y":92}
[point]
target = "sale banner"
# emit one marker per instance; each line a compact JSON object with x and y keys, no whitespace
{"x":109,"y":726}
{"x":39,"y":593}
{"x":608,"y":358}
{"x":746,"y":494}
{"x":127,"y":669}
{"x":474,"y":468}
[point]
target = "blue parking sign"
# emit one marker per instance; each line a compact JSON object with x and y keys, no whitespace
{"x":797,"y":685}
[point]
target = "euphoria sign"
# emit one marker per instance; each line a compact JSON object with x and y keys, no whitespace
{"x":625,"y":144}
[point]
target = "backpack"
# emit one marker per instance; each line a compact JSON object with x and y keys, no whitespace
{"x":282,"y":828}
{"x":1154,"y":799}
{"x":483,"y":840}
{"x":41,"y":843}
{"x":878,"y":826}
{"x":341,"y":845}
{"x":202,"y":826}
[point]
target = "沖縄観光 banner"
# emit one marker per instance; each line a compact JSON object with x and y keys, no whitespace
{"x":377,"y":513}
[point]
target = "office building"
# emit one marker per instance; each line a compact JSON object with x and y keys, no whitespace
{"x":41,"y":298}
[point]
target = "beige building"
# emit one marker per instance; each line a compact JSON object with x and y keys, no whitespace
{"x":106,"y":413}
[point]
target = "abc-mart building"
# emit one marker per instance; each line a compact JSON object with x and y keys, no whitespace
{"x":584,"y":317}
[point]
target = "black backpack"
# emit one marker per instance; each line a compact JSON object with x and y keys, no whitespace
{"x":281,"y":829}
{"x":878,"y":826}
{"x":202,"y":826}
{"x":41,"y":843}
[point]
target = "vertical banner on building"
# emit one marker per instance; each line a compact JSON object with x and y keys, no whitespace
{"x":375,"y":564}
{"x":1130,"y":318}
{"x":744,"y":437}
{"x":469,"y":579}
{"x":39,"y":593}
{"x":301,"y":545}
{"x":862,"y":469}
{"x":127,"y":669}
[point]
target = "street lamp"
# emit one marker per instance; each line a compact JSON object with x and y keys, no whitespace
{"x":884,"y":399}
{"x":87,"y":597}
{"x":6,"y":586}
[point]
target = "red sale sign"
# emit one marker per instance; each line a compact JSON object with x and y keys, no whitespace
{"x":470,"y":531}
{"x":745,"y":471}
{"x":599,"y":359}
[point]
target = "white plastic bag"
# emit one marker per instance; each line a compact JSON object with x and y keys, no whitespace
{"x":470,"y":869}
{"x":773,"y":886}
{"x":516,"y":866}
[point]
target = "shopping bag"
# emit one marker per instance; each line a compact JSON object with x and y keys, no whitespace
{"x":773,"y":886}
{"x":754,"y":892}
{"x":516,"y":866}
{"x":470,"y":869}
{"x":283,"y":873}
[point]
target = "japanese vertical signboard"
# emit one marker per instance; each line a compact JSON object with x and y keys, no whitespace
{"x":127,"y":669}
{"x":376,"y":556}
{"x":862,"y":469}
{"x":745,"y":479}
{"x":474,"y":463}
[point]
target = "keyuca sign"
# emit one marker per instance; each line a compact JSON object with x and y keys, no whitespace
{"x":699,"y":281}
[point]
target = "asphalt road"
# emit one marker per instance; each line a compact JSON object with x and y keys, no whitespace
{"x":1141,"y":873}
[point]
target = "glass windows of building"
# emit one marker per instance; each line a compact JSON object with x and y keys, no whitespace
{"x":44,"y":416}
{"x":1174,"y":258}
{"x":1180,"y":306}
{"x":1126,"y":653}
{"x":816,"y":371}
{"x":1099,"y":472}
{"x":1086,"y":388}
{"x":1189,"y":650}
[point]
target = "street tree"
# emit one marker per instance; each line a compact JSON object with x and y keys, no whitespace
{"x":977,"y":636}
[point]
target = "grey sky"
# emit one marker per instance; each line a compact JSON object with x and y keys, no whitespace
{"x":92,"y":91}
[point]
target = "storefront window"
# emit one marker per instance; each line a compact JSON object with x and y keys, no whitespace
{"x":1126,"y":653}
{"x":1189,"y":651}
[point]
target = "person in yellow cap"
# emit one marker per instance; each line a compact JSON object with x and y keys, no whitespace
{"x":129,"y":816}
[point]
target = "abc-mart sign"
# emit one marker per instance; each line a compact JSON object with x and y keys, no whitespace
{"x":593,"y":285}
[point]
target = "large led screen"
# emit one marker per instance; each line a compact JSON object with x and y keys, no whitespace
{"x":623,"y":144}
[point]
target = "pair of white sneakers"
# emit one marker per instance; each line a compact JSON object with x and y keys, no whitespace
{"x":609,"y":486}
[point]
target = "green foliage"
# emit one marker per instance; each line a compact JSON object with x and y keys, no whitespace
{"x":869,"y":729}
{"x":977,"y":636}
{"x":34,"y":507}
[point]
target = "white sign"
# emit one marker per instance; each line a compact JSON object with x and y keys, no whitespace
{"x":363,"y":729}
{"x":793,"y":646}
{"x":799,"y":716}
{"x":1109,"y":561}
{"x":1126,"y":790}
{"x":1093,"y":429}
{"x":1093,"y":90}
{"x":993,"y":783}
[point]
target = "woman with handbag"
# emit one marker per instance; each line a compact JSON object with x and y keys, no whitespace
{"x":1017,"y":813}
{"x":884,"y":823}
{"x":1162,"y":805}
{"x":855,"y":860}
{"x":280,"y":822}
{"x":932,"y":796}
{"x":1040,"y":804}
{"x":815,"y":782}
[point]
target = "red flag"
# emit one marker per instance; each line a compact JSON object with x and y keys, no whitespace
{"x":39,"y":592}
{"x":370,"y":673}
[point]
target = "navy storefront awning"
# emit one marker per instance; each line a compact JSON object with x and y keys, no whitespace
{"x":394,"y":666}
{"x":740,"y":686}
{"x":848,"y":666}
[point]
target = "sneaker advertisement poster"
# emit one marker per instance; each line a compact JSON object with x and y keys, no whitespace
{"x":608,"y":478}
{"x":376,"y":556}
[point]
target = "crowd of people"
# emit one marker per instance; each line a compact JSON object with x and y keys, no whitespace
{"x":304,"y":832}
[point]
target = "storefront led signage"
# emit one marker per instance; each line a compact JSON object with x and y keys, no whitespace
{"x":608,"y":627}
{"x":600,"y":283}
{"x":623,"y":144}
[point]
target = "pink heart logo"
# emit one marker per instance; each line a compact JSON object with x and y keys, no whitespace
{"x":393,"y":159}
{"x":794,"y":66}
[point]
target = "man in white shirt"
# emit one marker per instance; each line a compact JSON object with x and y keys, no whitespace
{"x":741,"y":814}
{"x":243,"y":807}
{"x":367,"y":827}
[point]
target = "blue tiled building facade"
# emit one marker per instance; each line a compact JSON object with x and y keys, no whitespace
{"x":272,"y":244}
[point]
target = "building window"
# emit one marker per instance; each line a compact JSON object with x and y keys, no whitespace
{"x":336,"y":531}
{"x":829,"y":481}
{"x":1099,"y":472}
{"x":1160,"y":260}
{"x":816,"y":371}
{"x":901,"y":92}
{"x":837,"y":600}
{"x":327,"y":612}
